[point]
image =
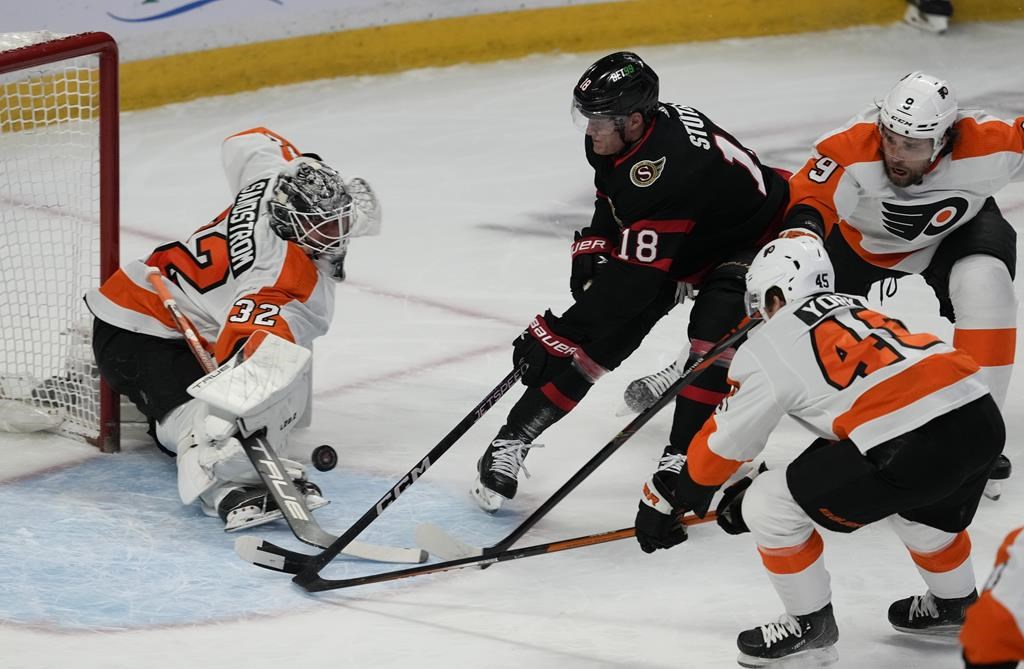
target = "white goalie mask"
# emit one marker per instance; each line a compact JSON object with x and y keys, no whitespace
{"x":797,"y":266}
{"x":311,"y":207}
{"x":922,"y":107}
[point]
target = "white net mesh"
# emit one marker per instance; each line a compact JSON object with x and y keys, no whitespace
{"x":50,"y":248}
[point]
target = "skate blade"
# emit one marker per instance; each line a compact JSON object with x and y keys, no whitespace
{"x":808,"y":659}
{"x":993,"y":490}
{"x":939,"y":633}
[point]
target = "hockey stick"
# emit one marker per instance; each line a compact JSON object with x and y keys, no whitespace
{"x":289,"y":500}
{"x":290,"y":562}
{"x":307,"y":567}
{"x":687,"y":377}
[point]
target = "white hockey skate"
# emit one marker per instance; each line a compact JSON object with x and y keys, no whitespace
{"x":643,"y":392}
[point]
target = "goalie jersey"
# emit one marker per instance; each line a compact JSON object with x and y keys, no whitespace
{"x":839,"y":369}
{"x":900,"y":228}
{"x":232,"y":276}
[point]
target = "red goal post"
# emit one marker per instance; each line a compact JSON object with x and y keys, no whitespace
{"x":59,"y":215}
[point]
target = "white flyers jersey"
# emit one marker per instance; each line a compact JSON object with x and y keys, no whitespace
{"x":900,"y":228}
{"x":234,"y":275}
{"x":838,"y":368}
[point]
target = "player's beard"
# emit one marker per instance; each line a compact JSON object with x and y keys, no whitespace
{"x":903,"y":175}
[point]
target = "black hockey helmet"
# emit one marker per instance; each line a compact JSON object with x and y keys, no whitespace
{"x":617,"y":85}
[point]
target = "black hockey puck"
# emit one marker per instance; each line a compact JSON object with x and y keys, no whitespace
{"x":324,"y":458}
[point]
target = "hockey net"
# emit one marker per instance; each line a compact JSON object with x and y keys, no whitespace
{"x":59,"y":218}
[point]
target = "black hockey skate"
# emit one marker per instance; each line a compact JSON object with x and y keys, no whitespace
{"x":249,"y":506}
{"x":812,"y":638}
{"x":498,"y":472}
{"x":1000,"y":472}
{"x":929,"y":15}
{"x":930,"y":615}
{"x":1001,"y":469}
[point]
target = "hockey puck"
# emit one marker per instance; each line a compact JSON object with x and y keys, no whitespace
{"x":324,"y":458}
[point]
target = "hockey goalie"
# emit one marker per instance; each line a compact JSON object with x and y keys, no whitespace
{"x":258,"y":284}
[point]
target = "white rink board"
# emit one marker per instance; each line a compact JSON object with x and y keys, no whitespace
{"x":152,"y":29}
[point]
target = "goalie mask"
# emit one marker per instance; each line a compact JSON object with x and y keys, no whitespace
{"x":311,"y":207}
{"x":797,"y":266}
{"x":920,"y":106}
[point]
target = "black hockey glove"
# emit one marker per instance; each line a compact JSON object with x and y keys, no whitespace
{"x":730,"y":509}
{"x":545,"y":352}
{"x":669,"y":494}
{"x":590,"y":255}
{"x":803,"y":219}
{"x":657,"y":524}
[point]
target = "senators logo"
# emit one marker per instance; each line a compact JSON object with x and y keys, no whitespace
{"x":646,"y":172}
{"x":909,"y":221}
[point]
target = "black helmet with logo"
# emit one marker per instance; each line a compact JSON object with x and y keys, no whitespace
{"x":617,"y":85}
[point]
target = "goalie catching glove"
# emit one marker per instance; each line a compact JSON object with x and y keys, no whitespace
{"x":667,"y":495}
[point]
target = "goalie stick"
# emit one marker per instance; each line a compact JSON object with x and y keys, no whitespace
{"x":289,"y":500}
{"x":307,"y":567}
{"x":685,"y":379}
{"x":279,"y":559}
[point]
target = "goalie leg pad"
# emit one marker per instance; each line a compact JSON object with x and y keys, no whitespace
{"x":204,"y":466}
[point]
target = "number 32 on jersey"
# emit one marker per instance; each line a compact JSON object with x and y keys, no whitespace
{"x":246,"y":310}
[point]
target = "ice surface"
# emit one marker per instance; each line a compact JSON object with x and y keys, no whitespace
{"x":482,"y":179}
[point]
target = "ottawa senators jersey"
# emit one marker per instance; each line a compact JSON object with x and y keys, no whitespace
{"x":235,"y":274}
{"x":683,"y":198}
{"x":992,"y":633}
{"x":839,"y":369}
{"x":900,"y":228}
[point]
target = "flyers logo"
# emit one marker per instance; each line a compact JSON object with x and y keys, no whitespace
{"x":932,"y":218}
{"x":646,"y":172}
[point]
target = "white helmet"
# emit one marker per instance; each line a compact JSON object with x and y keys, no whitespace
{"x":797,"y":266}
{"x":920,"y":106}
